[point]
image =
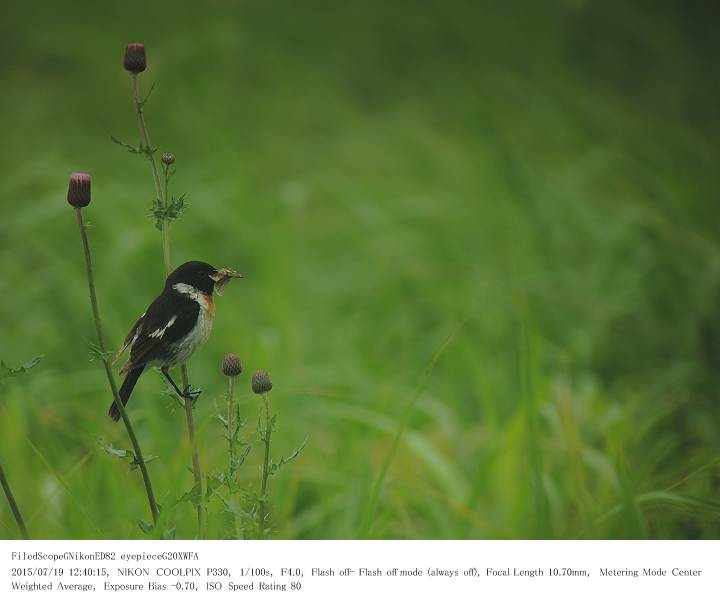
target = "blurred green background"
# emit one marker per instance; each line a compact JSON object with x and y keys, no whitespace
{"x":534,"y":184}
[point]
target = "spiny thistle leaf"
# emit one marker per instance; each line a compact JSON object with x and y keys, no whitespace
{"x":234,"y":508}
{"x":110,"y":449}
{"x":263,"y":430}
{"x":237,"y":462}
{"x":221,"y":419}
{"x":98,"y":354}
{"x":170,"y":212}
{"x":266,"y":431}
{"x":236,"y":440}
{"x":10,"y":372}
{"x":192,"y":496}
{"x":285,"y":460}
{"x":116,"y":452}
{"x":136,"y":150}
{"x":139,"y":150}
{"x":123,"y":453}
{"x":147,"y":96}
{"x":214,"y":482}
{"x":232,"y":487}
{"x":134,"y":464}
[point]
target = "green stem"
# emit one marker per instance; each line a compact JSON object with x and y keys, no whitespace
{"x":266,"y":464}
{"x":13,"y":504}
{"x":159,"y":190}
{"x":166,"y":245}
{"x":165,"y":223}
{"x":231,"y":449}
{"x":200,"y":507}
{"x":108,"y":369}
{"x":231,"y":440}
{"x":162,"y":196}
{"x":145,"y":135}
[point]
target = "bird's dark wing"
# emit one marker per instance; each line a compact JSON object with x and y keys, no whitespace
{"x":167,"y":321}
{"x":130,"y":338}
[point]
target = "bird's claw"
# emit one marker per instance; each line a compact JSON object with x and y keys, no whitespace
{"x":191,"y":393}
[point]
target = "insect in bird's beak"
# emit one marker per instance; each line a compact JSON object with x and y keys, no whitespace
{"x":222,"y":277}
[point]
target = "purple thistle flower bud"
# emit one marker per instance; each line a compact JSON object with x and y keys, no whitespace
{"x":79,"y":190}
{"x":168,"y":159}
{"x":231,"y":365}
{"x":135,"y":60}
{"x":261,"y":382}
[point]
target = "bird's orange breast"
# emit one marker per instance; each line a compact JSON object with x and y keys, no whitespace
{"x":209,"y":307}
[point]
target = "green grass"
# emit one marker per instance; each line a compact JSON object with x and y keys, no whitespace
{"x":538,"y":179}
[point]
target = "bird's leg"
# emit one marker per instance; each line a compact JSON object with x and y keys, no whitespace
{"x":188,"y":393}
{"x":166,"y":373}
{"x":191,"y":393}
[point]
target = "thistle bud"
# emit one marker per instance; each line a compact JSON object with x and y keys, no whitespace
{"x":231,"y":365}
{"x":135,"y":61}
{"x":168,"y":159}
{"x":261,"y":382}
{"x":79,"y":190}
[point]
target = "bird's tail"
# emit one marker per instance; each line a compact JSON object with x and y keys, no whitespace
{"x":126,"y":390}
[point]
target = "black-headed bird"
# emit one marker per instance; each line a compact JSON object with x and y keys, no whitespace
{"x":174,"y":326}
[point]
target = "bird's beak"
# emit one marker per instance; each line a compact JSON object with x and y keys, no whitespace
{"x":222,"y":277}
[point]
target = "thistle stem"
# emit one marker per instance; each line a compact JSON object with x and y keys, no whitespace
{"x":200,"y":507}
{"x":162,"y":196}
{"x":266,"y":464}
{"x":231,"y":440}
{"x":231,"y":448}
{"x":159,"y":190}
{"x":13,"y":504}
{"x":108,"y":369}
{"x":145,"y":135}
{"x":165,"y":223}
{"x":166,"y":245}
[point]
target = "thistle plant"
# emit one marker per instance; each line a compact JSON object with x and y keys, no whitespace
{"x":165,"y":210}
{"x":5,"y":373}
{"x":261,"y":384}
{"x":231,"y":368}
{"x":79,"y":197}
{"x":267,"y":424}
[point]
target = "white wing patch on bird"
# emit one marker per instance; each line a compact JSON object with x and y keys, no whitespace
{"x":160,"y":331}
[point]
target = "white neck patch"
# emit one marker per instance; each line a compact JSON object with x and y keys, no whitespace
{"x":188,"y":290}
{"x":196,"y":295}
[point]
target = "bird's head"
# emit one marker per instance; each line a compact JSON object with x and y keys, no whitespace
{"x":201,"y":276}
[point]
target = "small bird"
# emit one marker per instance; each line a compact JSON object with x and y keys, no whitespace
{"x":174,"y":326}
